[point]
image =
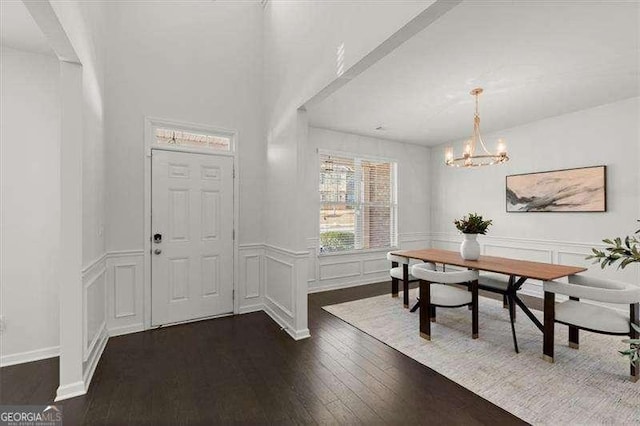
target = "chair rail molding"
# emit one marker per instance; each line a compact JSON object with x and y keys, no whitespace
{"x":271,"y":278}
{"x":355,"y":268}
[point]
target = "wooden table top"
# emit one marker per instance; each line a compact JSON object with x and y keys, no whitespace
{"x":501,"y":265}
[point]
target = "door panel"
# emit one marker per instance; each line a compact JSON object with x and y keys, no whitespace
{"x":192,"y":207}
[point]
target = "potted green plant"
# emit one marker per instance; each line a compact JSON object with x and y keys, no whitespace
{"x":471,"y":225}
{"x":626,"y":252}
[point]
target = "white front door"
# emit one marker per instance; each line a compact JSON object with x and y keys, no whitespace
{"x":191,"y":236}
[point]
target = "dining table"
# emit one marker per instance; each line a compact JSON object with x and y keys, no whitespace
{"x":518,"y":271}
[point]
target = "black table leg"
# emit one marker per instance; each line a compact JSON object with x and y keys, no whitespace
{"x":405,"y":285}
{"x":513,"y":327}
{"x":394,"y":282}
{"x":526,"y":310}
{"x":514,"y":288}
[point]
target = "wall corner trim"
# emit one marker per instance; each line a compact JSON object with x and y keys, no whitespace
{"x":295,"y":334}
{"x":70,"y":391}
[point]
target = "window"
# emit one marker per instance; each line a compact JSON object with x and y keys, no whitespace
{"x":182,"y":138}
{"x":358,"y":203}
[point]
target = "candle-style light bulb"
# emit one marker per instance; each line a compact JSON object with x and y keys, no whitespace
{"x":502,"y":147}
{"x":467,"y":149}
{"x":448,"y":155}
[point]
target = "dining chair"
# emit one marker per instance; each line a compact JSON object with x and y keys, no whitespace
{"x":400,"y":272}
{"x":503,"y":285}
{"x":579,"y":315}
{"x":436,"y":291}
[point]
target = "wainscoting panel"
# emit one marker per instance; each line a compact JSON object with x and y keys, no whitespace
{"x":285,"y":284}
{"x":94,"y":311}
{"x":375,"y":266}
{"x":124,"y":287}
{"x":280,"y":283}
{"x":341,"y":269}
{"x":94,"y":314}
{"x":125,"y":292}
{"x":251,"y":284}
{"x":520,"y":253}
{"x":335,"y":271}
{"x":445,"y":244}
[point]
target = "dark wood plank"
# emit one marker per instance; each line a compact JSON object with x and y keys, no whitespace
{"x":245,"y":370}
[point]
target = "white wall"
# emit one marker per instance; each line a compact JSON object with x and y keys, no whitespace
{"x":198,"y":62}
{"x":340,"y":270}
{"x":302,"y":40}
{"x":608,"y":134}
{"x":85,"y":25}
{"x":30,"y":206}
{"x":301,"y":57}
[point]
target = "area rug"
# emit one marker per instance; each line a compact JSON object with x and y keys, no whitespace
{"x":586,"y":386}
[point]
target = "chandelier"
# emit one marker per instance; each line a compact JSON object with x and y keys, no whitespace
{"x":469,"y":157}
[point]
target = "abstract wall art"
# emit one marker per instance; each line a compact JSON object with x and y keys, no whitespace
{"x":570,"y":190}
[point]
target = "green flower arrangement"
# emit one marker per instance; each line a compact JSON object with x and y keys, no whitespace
{"x":472,"y":224}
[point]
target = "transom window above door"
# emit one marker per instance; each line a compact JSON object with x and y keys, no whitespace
{"x":166,"y":136}
{"x":358,"y":203}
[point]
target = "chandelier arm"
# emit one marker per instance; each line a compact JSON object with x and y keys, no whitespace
{"x":484,"y":147}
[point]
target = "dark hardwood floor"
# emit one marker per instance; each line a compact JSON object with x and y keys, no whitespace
{"x":245,"y":370}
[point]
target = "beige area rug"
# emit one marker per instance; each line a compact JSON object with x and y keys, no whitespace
{"x":585,"y":386}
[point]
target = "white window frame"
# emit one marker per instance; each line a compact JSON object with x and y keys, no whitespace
{"x":394,"y":173}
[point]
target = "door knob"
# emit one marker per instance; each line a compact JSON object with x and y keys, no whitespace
{"x":157,"y":251}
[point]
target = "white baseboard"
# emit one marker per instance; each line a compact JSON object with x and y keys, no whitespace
{"x":300,"y":334}
{"x":29,"y":356}
{"x":94,"y":358}
{"x":251,"y":308}
{"x":70,"y":391}
{"x":295,"y":334}
{"x":126,"y":329}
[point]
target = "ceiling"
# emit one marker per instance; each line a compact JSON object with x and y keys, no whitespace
{"x":534,"y":60}
{"x":19,"y":31}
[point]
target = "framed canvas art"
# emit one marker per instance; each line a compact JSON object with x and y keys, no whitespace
{"x":571,"y":190}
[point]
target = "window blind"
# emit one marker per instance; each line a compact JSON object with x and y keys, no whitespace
{"x":358,"y":203}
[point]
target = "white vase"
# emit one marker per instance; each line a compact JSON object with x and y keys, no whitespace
{"x":470,"y":249}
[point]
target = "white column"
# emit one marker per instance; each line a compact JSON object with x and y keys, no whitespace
{"x":70,"y":259}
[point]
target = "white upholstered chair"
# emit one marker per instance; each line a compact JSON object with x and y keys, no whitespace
{"x":400,"y":272}
{"x":436,"y":291}
{"x":589,"y":317}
